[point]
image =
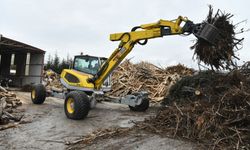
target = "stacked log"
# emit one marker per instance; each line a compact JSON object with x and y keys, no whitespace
{"x":8,"y":103}
{"x":144,"y":76}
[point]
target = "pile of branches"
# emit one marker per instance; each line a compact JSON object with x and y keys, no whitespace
{"x":144,"y":76}
{"x":222,"y":53}
{"x":218,"y":116}
{"x":8,"y":104}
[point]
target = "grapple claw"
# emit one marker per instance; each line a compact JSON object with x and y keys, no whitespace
{"x":207,"y":32}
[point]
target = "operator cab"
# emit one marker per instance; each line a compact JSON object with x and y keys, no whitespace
{"x":90,"y":65}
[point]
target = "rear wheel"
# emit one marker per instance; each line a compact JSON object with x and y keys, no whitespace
{"x":76,"y":105}
{"x":142,"y":107}
{"x":38,"y":94}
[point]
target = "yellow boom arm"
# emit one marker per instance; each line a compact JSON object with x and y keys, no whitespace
{"x":129,"y":39}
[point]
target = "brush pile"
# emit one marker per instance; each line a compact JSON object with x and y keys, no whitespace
{"x":222,"y":53}
{"x":8,"y":104}
{"x":129,"y":78}
{"x":218,"y":116}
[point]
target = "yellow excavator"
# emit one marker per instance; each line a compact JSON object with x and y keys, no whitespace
{"x":90,"y":75}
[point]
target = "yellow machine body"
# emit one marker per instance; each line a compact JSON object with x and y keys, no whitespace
{"x":81,"y":78}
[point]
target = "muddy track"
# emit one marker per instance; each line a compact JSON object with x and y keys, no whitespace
{"x":49,"y":128}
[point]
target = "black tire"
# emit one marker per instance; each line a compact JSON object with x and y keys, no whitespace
{"x":81,"y":105}
{"x":38,"y":94}
{"x":142,"y":107}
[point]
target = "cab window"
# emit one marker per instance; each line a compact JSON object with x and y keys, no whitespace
{"x":88,"y":65}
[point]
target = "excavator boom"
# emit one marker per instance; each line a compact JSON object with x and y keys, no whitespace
{"x":147,"y":31}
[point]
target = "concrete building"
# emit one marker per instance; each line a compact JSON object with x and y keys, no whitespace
{"x":20,"y":62}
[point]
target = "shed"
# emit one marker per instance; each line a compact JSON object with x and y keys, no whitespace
{"x":20,"y":62}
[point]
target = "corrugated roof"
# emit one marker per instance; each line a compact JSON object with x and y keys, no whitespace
{"x":7,"y":43}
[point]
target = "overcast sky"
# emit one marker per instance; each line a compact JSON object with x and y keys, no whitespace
{"x":74,"y":26}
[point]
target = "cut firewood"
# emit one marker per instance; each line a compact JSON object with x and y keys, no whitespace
{"x":8,"y":102}
{"x":3,"y":89}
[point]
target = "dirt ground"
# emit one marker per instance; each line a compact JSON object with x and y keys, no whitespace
{"x":50,"y":129}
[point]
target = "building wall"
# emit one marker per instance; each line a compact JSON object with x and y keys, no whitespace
{"x":35,"y":67}
{"x":20,"y":62}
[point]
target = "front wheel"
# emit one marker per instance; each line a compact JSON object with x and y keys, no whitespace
{"x":142,"y":107}
{"x":76,"y":105}
{"x":38,"y":94}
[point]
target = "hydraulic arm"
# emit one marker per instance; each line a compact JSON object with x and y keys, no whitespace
{"x":148,"y":31}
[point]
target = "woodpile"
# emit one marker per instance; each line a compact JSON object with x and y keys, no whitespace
{"x":52,"y":80}
{"x":8,"y":103}
{"x":221,"y":54}
{"x":144,"y":76}
{"x":218,"y":117}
